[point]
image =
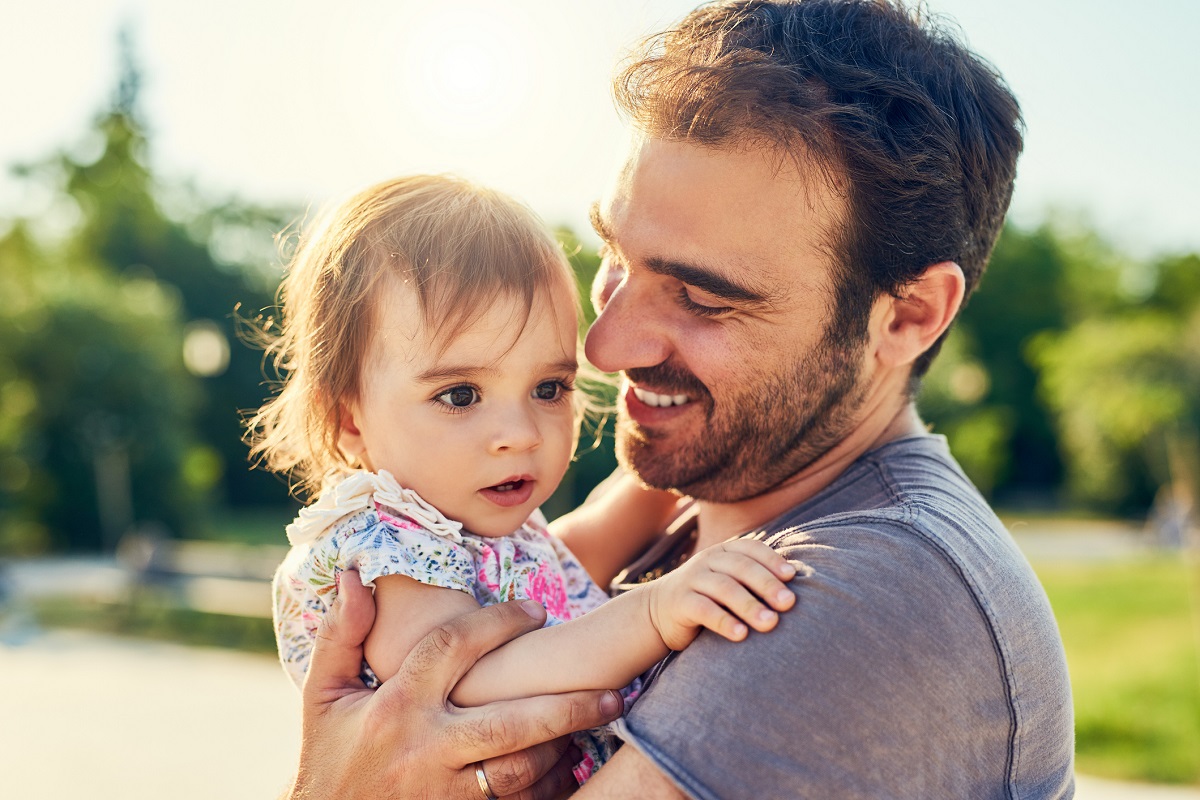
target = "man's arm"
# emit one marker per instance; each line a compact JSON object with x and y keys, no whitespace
{"x":406,"y":739}
{"x":616,"y":523}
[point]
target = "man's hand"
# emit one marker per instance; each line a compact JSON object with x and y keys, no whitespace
{"x":406,"y":740}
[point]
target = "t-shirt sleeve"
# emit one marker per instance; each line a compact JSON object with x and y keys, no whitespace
{"x":854,"y":694}
{"x":402,"y":547}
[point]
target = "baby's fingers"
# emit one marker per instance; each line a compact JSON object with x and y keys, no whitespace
{"x":756,"y":577}
{"x":727,"y":591}
{"x":701,"y":610}
{"x":750,"y":548}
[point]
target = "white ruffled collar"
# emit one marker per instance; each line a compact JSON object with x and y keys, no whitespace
{"x":361,"y":490}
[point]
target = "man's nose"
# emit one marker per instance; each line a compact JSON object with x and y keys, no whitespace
{"x":628,"y":331}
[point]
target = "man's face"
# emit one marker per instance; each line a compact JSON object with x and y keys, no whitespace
{"x":716,"y":295}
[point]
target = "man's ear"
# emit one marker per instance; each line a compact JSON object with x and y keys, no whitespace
{"x":905,"y":327}
{"x":350,"y":438}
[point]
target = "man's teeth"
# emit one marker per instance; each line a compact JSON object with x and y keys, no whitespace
{"x":657,"y":400}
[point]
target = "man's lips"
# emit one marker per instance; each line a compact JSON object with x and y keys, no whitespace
{"x":647,"y":407}
{"x":658,"y":399}
{"x":510,"y":492}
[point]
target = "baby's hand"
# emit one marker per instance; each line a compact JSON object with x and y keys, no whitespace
{"x":722,"y":588}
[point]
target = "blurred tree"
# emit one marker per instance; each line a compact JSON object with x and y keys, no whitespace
{"x":100,"y":407}
{"x":123,"y":297}
{"x":1122,"y":387}
{"x":981,"y":392}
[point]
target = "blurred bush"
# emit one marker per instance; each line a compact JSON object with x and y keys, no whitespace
{"x":104,"y":424}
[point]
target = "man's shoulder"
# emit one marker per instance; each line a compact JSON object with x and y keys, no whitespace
{"x":908,"y":496}
{"x":917,"y":623}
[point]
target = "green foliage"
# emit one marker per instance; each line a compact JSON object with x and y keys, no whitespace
{"x":1134,"y":655}
{"x":594,"y":457}
{"x":1120,"y":387}
{"x":980,"y":433}
{"x":1087,"y":362}
{"x":101,"y":400}
{"x":105,"y":424}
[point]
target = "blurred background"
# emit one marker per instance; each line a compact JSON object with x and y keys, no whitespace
{"x":159,"y":158}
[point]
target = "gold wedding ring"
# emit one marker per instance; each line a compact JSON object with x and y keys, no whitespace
{"x":488,"y":794}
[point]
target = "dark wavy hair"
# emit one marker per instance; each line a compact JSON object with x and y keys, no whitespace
{"x":921,"y":134}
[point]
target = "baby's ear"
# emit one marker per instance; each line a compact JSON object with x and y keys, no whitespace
{"x":350,"y":438}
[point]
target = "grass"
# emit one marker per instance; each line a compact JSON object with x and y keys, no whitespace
{"x":258,"y":526}
{"x":151,"y":621}
{"x":1132,"y":646}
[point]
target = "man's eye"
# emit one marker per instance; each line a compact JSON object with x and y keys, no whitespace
{"x":701,"y":309}
{"x":459,"y":397}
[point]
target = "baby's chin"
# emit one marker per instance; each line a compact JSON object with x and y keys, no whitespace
{"x":495,"y":526}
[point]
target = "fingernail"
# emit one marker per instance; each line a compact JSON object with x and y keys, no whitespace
{"x":740,"y":630}
{"x":611,"y":704}
{"x":788,"y":570}
{"x":533,"y":608}
{"x":784,"y":596}
{"x":766,"y":615}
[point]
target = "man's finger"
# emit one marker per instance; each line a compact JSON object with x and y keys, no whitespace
{"x":439,"y":661}
{"x":338,"y":650}
{"x":509,"y":774}
{"x":558,"y":781}
{"x":511,"y":725}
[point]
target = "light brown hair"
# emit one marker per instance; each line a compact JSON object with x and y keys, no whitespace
{"x":459,"y":245}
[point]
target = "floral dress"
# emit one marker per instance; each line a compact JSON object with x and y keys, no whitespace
{"x":370,"y":523}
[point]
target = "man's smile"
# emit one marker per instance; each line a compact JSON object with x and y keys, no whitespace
{"x":656,"y":400}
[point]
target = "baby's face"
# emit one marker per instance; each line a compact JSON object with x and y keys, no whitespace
{"x":485,"y":430}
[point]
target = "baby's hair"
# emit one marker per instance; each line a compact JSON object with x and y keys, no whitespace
{"x":458,"y":245}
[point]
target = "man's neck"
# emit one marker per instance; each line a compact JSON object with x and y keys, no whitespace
{"x":721,"y":521}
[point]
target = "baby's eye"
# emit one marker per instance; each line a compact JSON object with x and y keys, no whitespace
{"x":549,"y":390}
{"x":459,"y":396}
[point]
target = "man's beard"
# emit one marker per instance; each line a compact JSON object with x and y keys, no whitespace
{"x":772,"y":428}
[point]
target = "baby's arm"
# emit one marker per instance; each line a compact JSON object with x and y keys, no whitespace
{"x":615,"y":524}
{"x":722,"y":588}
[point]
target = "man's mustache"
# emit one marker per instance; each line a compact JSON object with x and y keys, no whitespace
{"x":667,"y":378}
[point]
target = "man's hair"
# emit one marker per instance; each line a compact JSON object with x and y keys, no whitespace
{"x":457,"y":245}
{"x":920,"y":134}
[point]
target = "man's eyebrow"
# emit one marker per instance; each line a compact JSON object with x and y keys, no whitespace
{"x":701,"y":278}
{"x":706,"y":280}
{"x":599,"y":224}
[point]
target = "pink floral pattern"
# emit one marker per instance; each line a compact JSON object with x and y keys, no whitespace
{"x":379,"y":539}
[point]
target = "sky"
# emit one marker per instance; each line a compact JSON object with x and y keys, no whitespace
{"x":293,"y":102}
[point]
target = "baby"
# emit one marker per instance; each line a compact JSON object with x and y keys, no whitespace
{"x":429,"y":345}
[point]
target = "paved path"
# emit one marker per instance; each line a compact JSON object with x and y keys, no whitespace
{"x":83,"y":715}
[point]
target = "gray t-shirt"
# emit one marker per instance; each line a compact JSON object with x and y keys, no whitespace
{"x":921,"y":659}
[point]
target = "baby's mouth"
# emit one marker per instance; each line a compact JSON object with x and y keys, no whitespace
{"x":513,"y":492}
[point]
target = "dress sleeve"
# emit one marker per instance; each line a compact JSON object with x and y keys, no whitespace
{"x":396,"y":546}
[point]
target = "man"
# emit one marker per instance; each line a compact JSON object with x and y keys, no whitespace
{"x":813,"y":190}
